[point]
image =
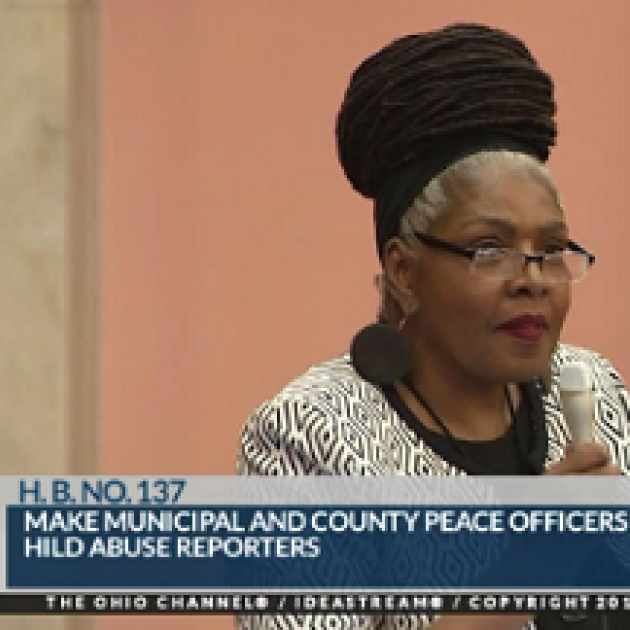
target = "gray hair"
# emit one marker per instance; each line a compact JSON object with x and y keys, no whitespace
{"x":448,"y":187}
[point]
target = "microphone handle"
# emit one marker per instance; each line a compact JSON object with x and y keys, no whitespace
{"x":579,"y":413}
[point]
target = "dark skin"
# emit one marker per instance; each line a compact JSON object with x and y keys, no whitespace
{"x":455,"y":313}
{"x":454,"y":317}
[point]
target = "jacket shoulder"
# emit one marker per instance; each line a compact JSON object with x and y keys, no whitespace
{"x":308,"y":427}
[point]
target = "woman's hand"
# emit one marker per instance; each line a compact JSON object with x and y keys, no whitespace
{"x":584,"y":459}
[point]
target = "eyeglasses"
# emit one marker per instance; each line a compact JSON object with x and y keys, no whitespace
{"x":569,"y":264}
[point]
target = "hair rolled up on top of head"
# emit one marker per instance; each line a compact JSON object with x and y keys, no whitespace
{"x":432,"y":110}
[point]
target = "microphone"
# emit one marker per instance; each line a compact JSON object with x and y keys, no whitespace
{"x":578,"y":404}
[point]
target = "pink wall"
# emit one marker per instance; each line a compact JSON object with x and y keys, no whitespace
{"x":234,"y":254}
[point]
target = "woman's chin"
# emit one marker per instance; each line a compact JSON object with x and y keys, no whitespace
{"x":517,"y":360}
{"x":524,"y":370}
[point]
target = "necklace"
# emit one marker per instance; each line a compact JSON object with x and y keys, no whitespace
{"x":457,"y":445}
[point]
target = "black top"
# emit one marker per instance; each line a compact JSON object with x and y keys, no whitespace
{"x":521,"y":450}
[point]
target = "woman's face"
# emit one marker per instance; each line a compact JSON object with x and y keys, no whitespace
{"x":471,"y":320}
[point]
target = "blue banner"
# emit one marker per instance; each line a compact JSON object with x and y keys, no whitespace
{"x":373,"y":547}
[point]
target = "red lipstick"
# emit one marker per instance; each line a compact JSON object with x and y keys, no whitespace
{"x":528,"y":327}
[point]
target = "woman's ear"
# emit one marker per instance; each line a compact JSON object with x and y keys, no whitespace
{"x":398,"y":269}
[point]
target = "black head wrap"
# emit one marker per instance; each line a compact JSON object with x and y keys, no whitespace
{"x":427,"y":100}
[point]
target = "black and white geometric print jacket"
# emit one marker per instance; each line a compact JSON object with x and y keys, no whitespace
{"x":330,"y":421}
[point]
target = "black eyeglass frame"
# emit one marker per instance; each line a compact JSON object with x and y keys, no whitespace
{"x":471,"y":252}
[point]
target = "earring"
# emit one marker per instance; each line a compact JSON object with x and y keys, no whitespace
{"x":381,"y":354}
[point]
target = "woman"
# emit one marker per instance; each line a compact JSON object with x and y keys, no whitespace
{"x":448,"y":132}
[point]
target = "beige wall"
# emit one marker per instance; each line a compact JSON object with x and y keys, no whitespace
{"x":33,"y":179}
{"x":48,"y":236}
{"x":48,"y":211}
{"x":235,"y":254}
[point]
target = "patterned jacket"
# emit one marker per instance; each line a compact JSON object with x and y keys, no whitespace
{"x":330,"y":421}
